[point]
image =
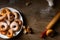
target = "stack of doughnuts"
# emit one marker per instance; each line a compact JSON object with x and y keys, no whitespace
{"x":9,"y":22}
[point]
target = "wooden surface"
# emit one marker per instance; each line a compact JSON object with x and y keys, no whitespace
{"x":36,"y":19}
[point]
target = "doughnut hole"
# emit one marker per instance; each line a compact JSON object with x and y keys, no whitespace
{"x":3,"y":26}
{"x":14,"y":26}
{"x":0,"y":15}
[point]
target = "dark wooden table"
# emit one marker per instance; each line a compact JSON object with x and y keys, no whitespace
{"x":35,"y":19}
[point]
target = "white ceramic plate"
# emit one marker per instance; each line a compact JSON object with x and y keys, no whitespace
{"x":16,"y":33}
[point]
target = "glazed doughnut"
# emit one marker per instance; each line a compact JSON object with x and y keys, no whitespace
{"x":18,"y":21}
{"x":12,"y":16}
{"x":3,"y":26}
{"x":10,"y":33}
{"x":14,"y":26}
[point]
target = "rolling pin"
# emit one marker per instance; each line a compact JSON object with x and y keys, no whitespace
{"x":50,"y":25}
{"x":53,"y":21}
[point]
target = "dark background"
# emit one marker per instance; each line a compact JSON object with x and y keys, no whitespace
{"x":35,"y":18}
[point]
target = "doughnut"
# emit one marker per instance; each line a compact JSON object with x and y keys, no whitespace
{"x":14,"y":26}
{"x":3,"y":26}
{"x":2,"y":17}
{"x":6,"y":10}
{"x":12,"y":16}
{"x":10,"y":33}
{"x":8,"y":15}
{"x":18,"y":21}
{"x":2,"y":14}
{"x":3,"y":32}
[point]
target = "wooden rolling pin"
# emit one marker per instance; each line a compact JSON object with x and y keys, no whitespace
{"x":50,"y":25}
{"x":53,"y":21}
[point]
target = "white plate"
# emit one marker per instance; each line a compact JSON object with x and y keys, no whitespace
{"x":16,"y":33}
